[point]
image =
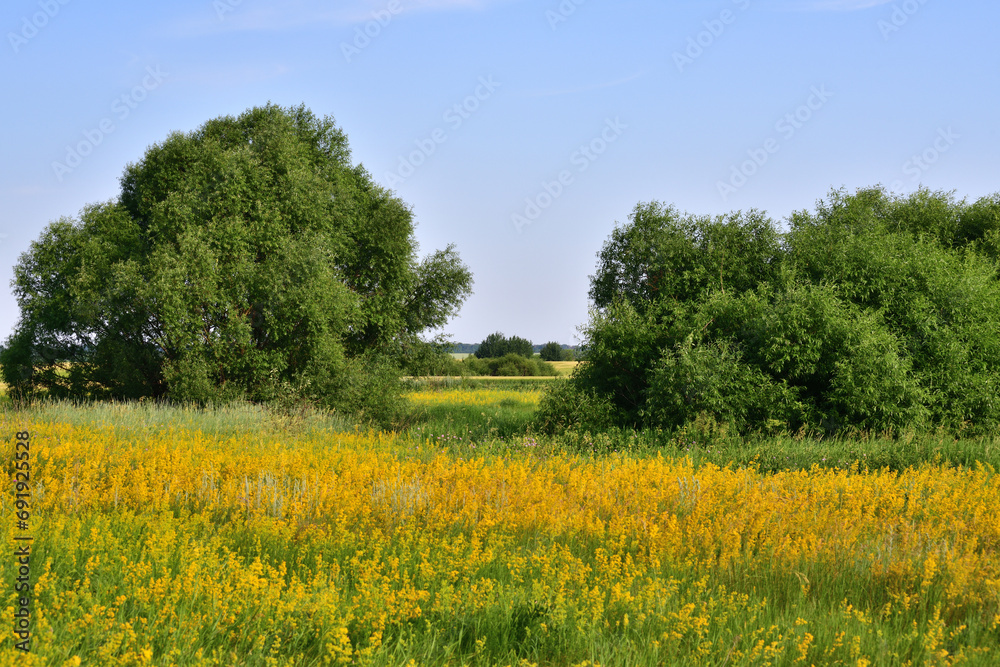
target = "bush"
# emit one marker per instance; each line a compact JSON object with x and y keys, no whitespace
{"x":551,"y":351}
{"x":497,"y":345}
{"x":710,"y":380}
{"x":874,"y":313}
{"x":566,"y":406}
{"x":422,"y":359}
{"x":372,"y":393}
{"x":510,"y":365}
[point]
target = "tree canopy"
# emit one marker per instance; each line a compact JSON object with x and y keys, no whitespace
{"x":247,"y":258}
{"x":551,"y":351}
{"x":875,"y":311}
{"x":497,"y":345}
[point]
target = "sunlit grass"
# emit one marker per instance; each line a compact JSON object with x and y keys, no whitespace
{"x":138,"y":417}
{"x":169,"y":536}
{"x":565,"y":367}
{"x":475,"y":396}
{"x":468,"y":414}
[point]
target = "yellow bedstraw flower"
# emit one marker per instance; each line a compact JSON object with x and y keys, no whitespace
{"x":173,"y":535}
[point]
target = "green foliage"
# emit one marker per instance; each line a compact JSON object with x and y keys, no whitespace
{"x":709,"y":380}
{"x":247,"y":259}
{"x":567,"y":406}
{"x":816,"y":359}
{"x":979,"y":227}
{"x":662,"y":255}
{"x":874,"y":312}
{"x":509,"y":365}
{"x":497,"y":345}
{"x":937,"y":292}
{"x":459,"y":425}
{"x":622,"y":345}
{"x":421,"y":359}
{"x":551,"y":351}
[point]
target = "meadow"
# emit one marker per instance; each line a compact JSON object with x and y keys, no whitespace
{"x":177,"y":536}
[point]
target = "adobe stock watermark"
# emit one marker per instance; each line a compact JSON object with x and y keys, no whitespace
{"x":581,"y":158}
{"x":901,"y":15}
{"x":30,"y":26}
{"x":704,"y":40}
{"x":562,"y":13}
{"x":920,"y":164}
{"x":223,"y":7}
{"x":363,"y":35}
{"x":788,"y":125}
{"x":454,"y":116}
{"x":122,"y":107}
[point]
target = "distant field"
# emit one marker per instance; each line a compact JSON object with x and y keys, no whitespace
{"x":473,"y":380}
{"x":565,"y":367}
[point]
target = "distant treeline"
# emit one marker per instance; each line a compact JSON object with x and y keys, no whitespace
{"x":470,"y":348}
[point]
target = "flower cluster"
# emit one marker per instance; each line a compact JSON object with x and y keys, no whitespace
{"x":176,"y":547}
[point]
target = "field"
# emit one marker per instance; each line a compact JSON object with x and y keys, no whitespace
{"x":174,"y":536}
{"x":564,"y":367}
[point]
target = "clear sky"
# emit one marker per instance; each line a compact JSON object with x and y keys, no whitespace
{"x":520,"y":130}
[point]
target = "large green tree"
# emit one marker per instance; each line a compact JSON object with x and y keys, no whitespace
{"x":874,"y":311}
{"x":247,"y":258}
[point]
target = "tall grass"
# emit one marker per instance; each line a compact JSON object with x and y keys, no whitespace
{"x":468,"y":414}
{"x":220,"y":420}
{"x":776,"y":453}
{"x":188,"y":537}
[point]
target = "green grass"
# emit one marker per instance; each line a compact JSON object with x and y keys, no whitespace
{"x":473,"y":424}
{"x":513,"y":630}
{"x":787,"y":452}
{"x":137,"y":417}
{"x":496,"y":427}
{"x":481,"y":382}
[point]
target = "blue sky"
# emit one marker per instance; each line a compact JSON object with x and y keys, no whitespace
{"x":519,"y":130}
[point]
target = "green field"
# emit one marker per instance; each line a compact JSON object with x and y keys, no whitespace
{"x":242,"y":535}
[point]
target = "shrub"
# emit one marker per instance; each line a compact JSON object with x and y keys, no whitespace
{"x":711,"y":380}
{"x":567,"y":406}
{"x":876,"y":313}
{"x":510,"y":365}
{"x":551,"y":351}
{"x":433,"y":358}
{"x":497,"y":345}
